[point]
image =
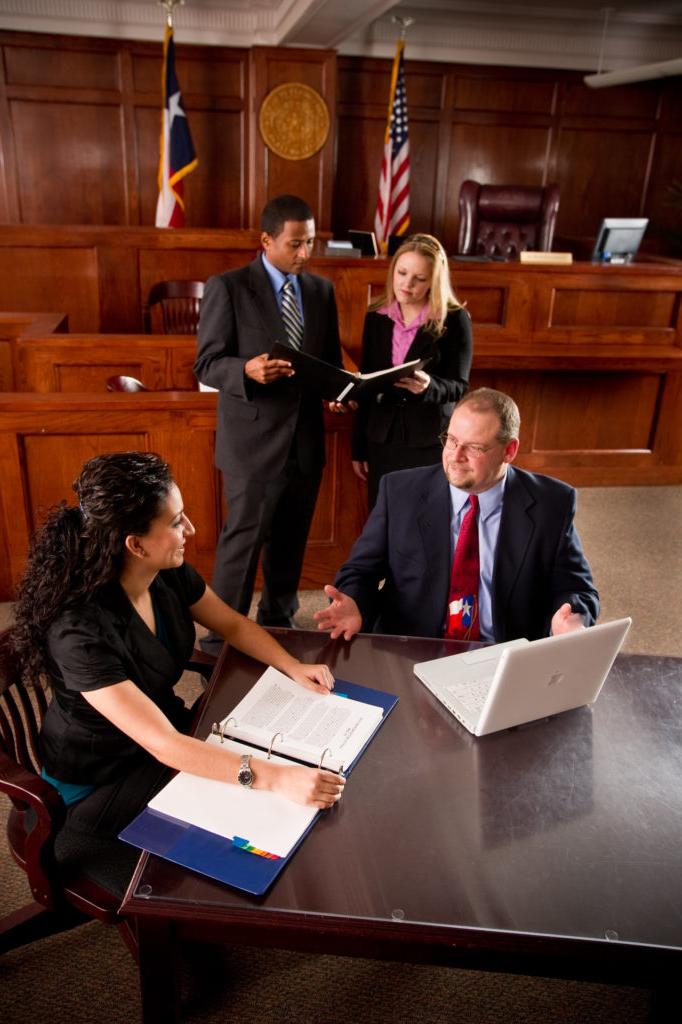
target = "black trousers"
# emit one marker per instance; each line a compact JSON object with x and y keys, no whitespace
{"x":272,"y":517}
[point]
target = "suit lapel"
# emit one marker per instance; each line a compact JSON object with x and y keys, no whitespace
{"x":517,"y":527}
{"x":433,"y":522}
{"x":382,"y":355}
{"x":265,"y":302}
{"x":422,"y":343}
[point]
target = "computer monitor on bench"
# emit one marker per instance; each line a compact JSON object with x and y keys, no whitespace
{"x":619,"y":239}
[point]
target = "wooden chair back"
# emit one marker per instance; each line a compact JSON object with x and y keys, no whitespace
{"x":62,"y":897}
{"x":179,"y":303}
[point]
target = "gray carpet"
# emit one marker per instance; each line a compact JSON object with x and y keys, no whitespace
{"x":86,"y":976}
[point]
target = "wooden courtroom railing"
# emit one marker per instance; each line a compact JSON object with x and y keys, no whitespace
{"x":100,"y":278}
{"x":45,"y":439}
{"x":591,"y":413}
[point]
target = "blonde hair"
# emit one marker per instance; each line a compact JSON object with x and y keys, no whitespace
{"x":441,"y":297}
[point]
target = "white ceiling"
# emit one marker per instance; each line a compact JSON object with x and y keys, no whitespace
{"x":528,"y":33}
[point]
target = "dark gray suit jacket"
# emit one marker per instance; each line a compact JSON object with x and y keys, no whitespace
{"x":539,"y":562}
{"x":257,"y":423}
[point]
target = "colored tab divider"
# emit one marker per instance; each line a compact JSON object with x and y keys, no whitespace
{"x":246,"y":846}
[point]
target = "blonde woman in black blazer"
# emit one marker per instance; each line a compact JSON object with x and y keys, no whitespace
{"x":417,"y":317}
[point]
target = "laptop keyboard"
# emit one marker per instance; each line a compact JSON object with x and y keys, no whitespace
{"x":471,"y":693}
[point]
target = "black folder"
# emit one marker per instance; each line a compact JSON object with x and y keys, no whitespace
{"x":336,"y":384}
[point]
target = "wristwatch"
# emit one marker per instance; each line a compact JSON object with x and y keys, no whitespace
{"x":245,"y":774}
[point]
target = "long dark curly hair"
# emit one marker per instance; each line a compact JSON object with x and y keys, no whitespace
{"x":80,"y":548}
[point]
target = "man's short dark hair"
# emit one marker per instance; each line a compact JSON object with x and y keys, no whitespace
{"x":281,"y":209}
{"x":504,"y":407}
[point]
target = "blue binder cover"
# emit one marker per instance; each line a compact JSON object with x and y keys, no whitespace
{"x":218,"y":857}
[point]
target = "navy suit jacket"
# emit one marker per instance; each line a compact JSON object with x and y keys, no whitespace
{"x":258,"y":423}
{"x":539,"y":561}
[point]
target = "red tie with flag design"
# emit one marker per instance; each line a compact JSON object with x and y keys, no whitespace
{"x":462,"y":620}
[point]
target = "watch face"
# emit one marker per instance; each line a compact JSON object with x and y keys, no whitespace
{"x":245,"y":775}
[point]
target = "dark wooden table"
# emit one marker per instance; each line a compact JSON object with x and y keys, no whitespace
{"x":552,"y":849}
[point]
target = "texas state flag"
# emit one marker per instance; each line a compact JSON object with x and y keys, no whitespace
{"x":177,"y":158}
{"x":462,"y":611}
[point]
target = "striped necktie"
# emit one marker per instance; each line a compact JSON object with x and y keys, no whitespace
{"x":291,"y":315}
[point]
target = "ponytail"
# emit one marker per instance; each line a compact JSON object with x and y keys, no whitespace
{"x":51,"y":580}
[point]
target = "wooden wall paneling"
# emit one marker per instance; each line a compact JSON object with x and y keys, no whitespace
{"x":590,"y":159}
{"x":83,"y":363}
{"x":131,"y":153}
{"x":9,"y":199}
{"x":44,"y":279}
{"x":214,"y":83}
{"x":356,"y":187}
{"x":20,"y":325}
{"x":667,"y":441}
{"x":605,"y":306}
{"x":188,"y":444}
{"x":591,"y":412}
{"x":341,"y":508}
{"x":666,"y":216}
{"x":272,"y":175}
{"x":53,"y":460}
{"x":86,"y":146}
{"x":120,"y":298}
{"x":497,"y":151}
{"x":510,"y":90}
{"x":15,"y":534}
{"x":184,"y":265}
{"x":44,"y":440}
{"x":363,"y":87}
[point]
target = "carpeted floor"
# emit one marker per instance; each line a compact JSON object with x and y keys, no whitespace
{"x":86,"y":976}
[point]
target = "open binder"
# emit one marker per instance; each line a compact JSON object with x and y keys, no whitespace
{"x":338,"y":385}
{"x":198,"y":823}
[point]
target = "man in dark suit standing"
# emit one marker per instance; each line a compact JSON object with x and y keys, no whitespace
{"x":270,"y":433}
{"x":533,"y":577}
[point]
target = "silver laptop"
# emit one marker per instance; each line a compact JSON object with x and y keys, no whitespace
{"x":517,"y":682}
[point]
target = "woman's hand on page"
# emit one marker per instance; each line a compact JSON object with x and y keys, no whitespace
{"x":311,"y":787}
{"x":313,"y":677}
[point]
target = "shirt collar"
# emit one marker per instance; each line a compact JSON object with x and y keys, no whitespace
{"x":488,"y":501}
{"x":274,"y":273}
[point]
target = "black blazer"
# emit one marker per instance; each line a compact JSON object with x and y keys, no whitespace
{"x":539,"y":562}
{"x":257,"y":423}
{"x":102,"y":643}
{"x":416,"y":420}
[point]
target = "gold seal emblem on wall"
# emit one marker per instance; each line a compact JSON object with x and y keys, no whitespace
{"x":294,"y":121}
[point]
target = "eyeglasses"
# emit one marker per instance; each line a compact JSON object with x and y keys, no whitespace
{"x":473,"y":451}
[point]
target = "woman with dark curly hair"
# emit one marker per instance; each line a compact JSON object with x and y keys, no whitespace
{"x":416,"y":317}
{"x":105,"y":613}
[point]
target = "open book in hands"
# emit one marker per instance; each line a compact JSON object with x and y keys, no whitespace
{"x":336,"y":384}
{"x":280,"y":717}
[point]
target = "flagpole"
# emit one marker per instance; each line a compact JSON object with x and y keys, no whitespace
{"x":392,"y":211}
{"x":177,"y":157}
{"x":170,"y":6}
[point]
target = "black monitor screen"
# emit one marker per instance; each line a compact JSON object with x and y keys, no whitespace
{"x":619,"y":239}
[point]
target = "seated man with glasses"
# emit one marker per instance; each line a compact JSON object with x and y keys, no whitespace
{"x":474,"y":550}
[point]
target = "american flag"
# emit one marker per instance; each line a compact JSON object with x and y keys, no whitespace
{"x":392,"y":216}
{"x":177,"y":157}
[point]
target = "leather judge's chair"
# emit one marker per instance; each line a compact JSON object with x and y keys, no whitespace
{"x":73,"y":878}
{"x":500,"y":221}
{"x":173,"y":307}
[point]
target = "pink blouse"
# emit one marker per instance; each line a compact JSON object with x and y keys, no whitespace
{"x":403,"y":335}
